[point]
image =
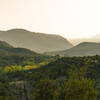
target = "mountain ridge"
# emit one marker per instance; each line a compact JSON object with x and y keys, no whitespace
{"x":94,"y":38}
{"x":38,"y":42}
{"x":7,"y":49}
{"x":82,"y":49}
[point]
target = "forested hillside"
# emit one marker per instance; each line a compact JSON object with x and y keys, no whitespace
{"x":10,"y":55}
{"x":59,"y":79}
{"x":27,"y":75}
{"x":49,"y":50}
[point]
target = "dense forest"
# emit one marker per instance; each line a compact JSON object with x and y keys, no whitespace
{"x":27,"y":75}
{"x":66,"y":78}
{"x":10,"y":55}
{"x":49,"y":50}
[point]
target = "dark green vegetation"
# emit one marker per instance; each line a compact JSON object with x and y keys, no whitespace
{"x":83,"y":49}
{"x":35,"y":41}
{"x":27,"y":75}
{"x":67,"y":78}
{"x":17,"y":56}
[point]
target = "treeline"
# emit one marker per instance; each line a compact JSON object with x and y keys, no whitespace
{"x":75,"y":87}
{"x":10,"y":55}
{"x":22,"y":60}
{"x":67,"y":78}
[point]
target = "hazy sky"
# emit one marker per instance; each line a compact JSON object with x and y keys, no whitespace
{"x":69,"y":18}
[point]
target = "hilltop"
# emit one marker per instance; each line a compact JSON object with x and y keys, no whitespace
{"x":82,"y":49}
{"x":37,"y":42}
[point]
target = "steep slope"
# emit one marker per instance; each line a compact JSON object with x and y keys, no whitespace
{"x":6,"y":48}
{"x":38,"y":42}
{"x":16,"y":56}
{"x":83,"y":49}
{"x":4,"y":44}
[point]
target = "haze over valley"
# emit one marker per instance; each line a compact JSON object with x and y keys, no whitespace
{"x":37,"y":42}
{"x":49,"y":49}
{"x":51,"y":44}
{"x":94,"y":38}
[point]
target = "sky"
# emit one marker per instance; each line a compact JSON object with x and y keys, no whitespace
{"x":68,"y":18}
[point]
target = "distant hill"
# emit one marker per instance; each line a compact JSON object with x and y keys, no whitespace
{"x":7,"y":49}
{"x":37,"y":42}
{"x":10,"y":55}
{"x":4,"y":44}
{"x":82,"y":49}
{"x":95,"y":38}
